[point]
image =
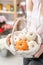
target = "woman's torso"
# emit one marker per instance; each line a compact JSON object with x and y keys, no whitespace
{"x":37,"y":19}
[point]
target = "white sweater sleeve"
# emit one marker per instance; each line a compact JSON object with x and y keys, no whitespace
{"x":28,"y":13}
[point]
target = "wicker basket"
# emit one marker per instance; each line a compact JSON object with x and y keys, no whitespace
{"x":15,"y":32}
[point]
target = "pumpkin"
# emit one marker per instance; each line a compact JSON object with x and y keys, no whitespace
{"x":21,"y":45}
{"x":32,"y":36}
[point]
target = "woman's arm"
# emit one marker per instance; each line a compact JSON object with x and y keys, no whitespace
{"x":37,"y":55}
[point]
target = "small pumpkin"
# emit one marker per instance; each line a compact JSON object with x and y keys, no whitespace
{"x":32,"y":36}
{"x":21,"y":45}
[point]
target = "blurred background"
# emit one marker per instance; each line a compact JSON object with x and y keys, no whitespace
{"x":7,"y":8}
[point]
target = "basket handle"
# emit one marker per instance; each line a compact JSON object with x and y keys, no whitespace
{"x":14,"y":28}
{"x":18,"y":20}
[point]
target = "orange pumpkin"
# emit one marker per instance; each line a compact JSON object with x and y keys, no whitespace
{"x":21,"y":45}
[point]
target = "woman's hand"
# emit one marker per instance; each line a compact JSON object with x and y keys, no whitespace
{"x":30,"y":5}
{"x":37,"y":55}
